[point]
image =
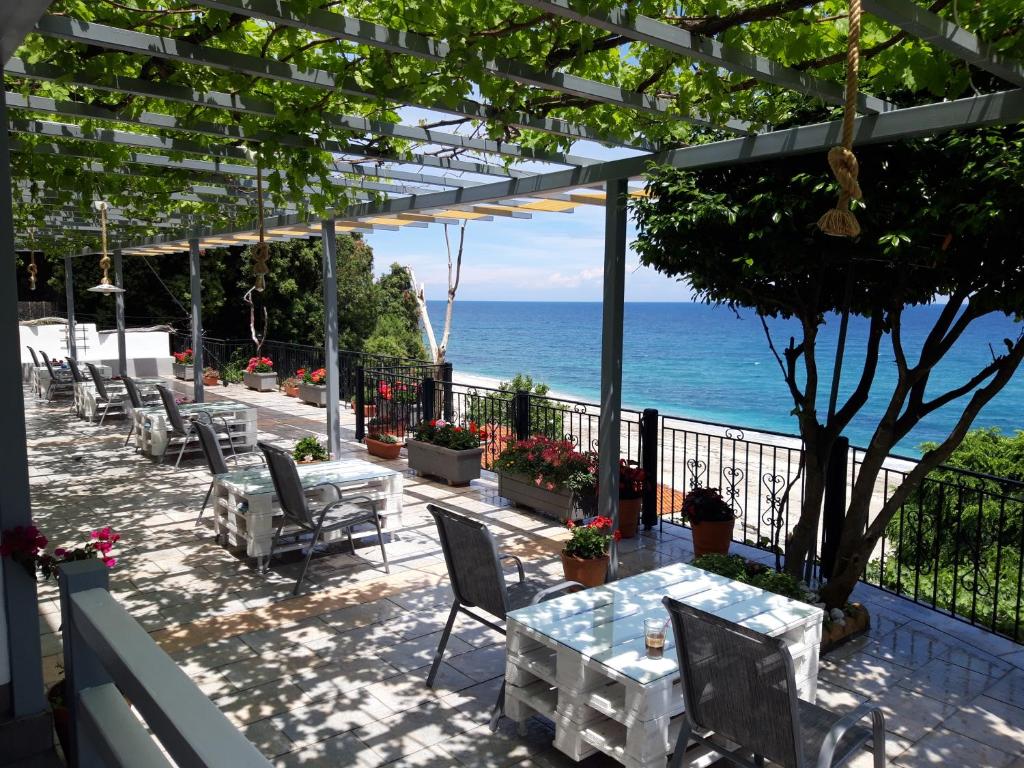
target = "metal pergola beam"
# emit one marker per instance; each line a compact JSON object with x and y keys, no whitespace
{"x":708,"y":50}
{"x":250,"y":105}
{"x":16,"y":20}
{"x":408,"y":43}
{"x":946,"y":36}
{"x":154,"y":46}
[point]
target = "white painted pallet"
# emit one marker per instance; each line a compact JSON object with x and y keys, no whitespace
{"x":151,"y":430}
{"x":580,"y":660}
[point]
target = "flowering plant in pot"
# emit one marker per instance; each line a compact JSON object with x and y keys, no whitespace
{"x":259,"y":374}
{"x":544,"y":474}
{"x":211,"y":377}
{"x":184,"y":365}
{"x":309,"y":450}
{"x":447,"y":450}
{"x":631,"y":491}
{"x":711,"y":518}
{"x":585,"y":556}
{"x":379,"y":443}
{"x":313,"y":387}
{"x":290,"y":386}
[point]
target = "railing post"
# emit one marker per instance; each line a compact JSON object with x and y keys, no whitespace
{"x":649,"y":463}
{"x":360,"y":404}
{"x":834,"y":512}
{"x":521,"y":415}
{"x":427,"y":394}
{"x":82,"y":668}
{"x":449,"y":396}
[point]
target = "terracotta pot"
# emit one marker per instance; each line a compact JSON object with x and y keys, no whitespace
{"x":210,"y":381}
{"x":589,"y":573}
{"x":369,"y":410}
{"x":629,"y":516}
{"x":712,"y":538}
{"x":382,"y":450}
{"x":291,"y":390}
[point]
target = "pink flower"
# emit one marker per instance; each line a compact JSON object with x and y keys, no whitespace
{"x":110,"y":562}
{"x":60,"y":552}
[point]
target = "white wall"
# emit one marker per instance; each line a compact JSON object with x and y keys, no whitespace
{"x":148,"y":352}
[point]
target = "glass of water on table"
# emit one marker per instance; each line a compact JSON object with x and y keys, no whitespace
{"x":654,"y":637}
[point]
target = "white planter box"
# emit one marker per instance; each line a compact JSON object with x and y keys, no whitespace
{"x":184,"y":372}
{"x":314,"y":394}
{"x":261,"y":382}
{"x":454,"y":467}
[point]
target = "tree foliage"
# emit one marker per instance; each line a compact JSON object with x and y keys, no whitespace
{"x":940,"y":219}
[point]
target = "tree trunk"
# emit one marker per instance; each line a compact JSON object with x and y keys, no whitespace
{"x":801,"y":539}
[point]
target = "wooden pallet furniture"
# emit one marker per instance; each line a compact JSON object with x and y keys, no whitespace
{"x":238,"y":418}
{"x":246,"y":512}
{"x":581,"y":662}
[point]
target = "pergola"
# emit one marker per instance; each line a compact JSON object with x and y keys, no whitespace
{"x":192,"y":135}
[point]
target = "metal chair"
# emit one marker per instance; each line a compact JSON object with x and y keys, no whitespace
{"x":108,"y":399}
{"x":740,"y":685}
{"x":347,"y":512}
{"x":215,"y":459}
{"x":60,"y":383}
{"x":183,"y":431}
{"x":35,"y":358}
{"x":135,"y":400}
{"x":76,"y":372}
{"x":478,"y":581}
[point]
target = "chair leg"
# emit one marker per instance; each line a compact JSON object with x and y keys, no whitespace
{"x":184,"y":442}
{"x":878,"y":738}
{"x":499,"y":708}
{"x":106,"y":407}
{"x":679,"y":754}
{"x":380,"y":538}
{"x":131,"y":431}
{"x":205,"y":502}
{"x":309,"y":554}
{"x":273,"y":546}
{"x":439,"y":655}
{"x":351,"y":545}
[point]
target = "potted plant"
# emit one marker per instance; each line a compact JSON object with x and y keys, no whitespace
{"x":313,"y":387}
{"x":259,"y":374}
{"x":381,"y":444}
{"x":290,"y":386}
{"x":536,"y":473}
{"x":585,"y":557}
{"x":183,"y":365}
{"x":211,"y":377}
{"x":310,"y":450}
{"x":369,"y":406}
{"x":711,"y":519}
{"x":631,"y":493}
{"x":230,"y":373}
{"x":449,"y":451}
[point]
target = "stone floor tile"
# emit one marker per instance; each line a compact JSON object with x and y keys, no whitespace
{"x":946,"y":681}
{"x":991,"y":722}
{"x":479,"y":748}
{"x":261,"y":702}
{"x":480,"y":664}
{"x":431,"y":757}
{"x":258,"y":670}
{"x":344,"y":750}
{"x":409,"y":690}
{"x":330,"y":678}
{"x":863,"y":674}
{"x":948,"y":748}
{"x":268,"y":738}
{"x":907,"y":647}
{"x":1009,"y":688}
{"x":323,"y":719}
{"x":428,"y":725}
{"x":911,"y":715}
{"x":417,"y":652}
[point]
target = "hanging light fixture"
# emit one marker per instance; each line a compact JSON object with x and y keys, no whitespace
{"x":105,"y":285}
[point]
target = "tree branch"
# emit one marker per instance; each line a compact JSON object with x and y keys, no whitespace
{"x":859,"y":396}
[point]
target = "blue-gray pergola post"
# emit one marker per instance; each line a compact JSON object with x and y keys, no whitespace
{"x":69,"y":292}
{"x":330,"y":259}
{"x":197,"y":318}
{"x":20,"y":604}
{"x":611,"y":357}
{"x":122,"y":352}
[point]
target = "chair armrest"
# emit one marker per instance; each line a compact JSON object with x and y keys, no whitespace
{"x":847,"y":721}
{"x":237,"y":457}
{"x":549,"y":592}
{"x":517,"y":561}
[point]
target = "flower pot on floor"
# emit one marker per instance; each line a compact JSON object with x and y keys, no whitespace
{"x":369,"y":410}
{"x":261,"y":382}
{"x":183,"y":371}
{"x":629,"y":516}
{"x":454,"y":467}
{"x":291,"y":390}
{"x":381,"y":449}
{"x":589,"y":573}
{"x":712,"y":538}
{"x":314,"y":394}
{"x":210,"y":381}
{"x":521,"y":490}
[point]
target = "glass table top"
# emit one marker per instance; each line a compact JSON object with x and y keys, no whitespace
{"x":221,"y":406}
{"x":606,"y":623}
{"x":256,"y":480}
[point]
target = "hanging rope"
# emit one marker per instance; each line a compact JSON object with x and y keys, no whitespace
{"x":262,"y":253}
{"x":33,"y":270}
{"x":840,"y":221}
{"x":101,"y":206}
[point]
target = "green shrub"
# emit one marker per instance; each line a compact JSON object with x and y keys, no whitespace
{"x":755,"y":574}
{"x":495,"y":408}
{"x":310,"y":449}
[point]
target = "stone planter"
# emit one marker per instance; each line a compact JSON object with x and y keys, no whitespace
{"x":589,"y":573}
{"x":856,"y":622}
{"x":261,"y":382}
{"x":183,"y":371}
{"x":314,"y":394}
{"x":382,"y":450}
{"x":454,"y":467}
{"x":521,"y":490}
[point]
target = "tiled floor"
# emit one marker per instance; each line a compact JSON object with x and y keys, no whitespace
{"x":336,"y":676}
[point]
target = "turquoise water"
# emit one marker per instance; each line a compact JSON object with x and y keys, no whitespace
{"x":707,"y":363}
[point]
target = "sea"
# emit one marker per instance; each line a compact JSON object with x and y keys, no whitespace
{"x":713,"y":364}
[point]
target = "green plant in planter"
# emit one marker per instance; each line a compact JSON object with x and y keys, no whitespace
{"x":758,"y":575}
{"x":310,"y":449}
{"x":375,"y":431}
{"x":447,"y":435}
{"x":592,"y":540}
{"x":231,"y":373}
{"x":706,"y":505}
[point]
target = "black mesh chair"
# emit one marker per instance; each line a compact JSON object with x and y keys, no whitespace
{"x":116,"y":398}
{"x":215,"y":458}
{"x":740,"y":685}
{"x":76,"y":372}
{"x":344,"y":513}
{"x":135,"y":400}
{"x":61,"y":381}
{"x":478,"y":582}
{"x":182,"y":431}
{"x":35,"y":357}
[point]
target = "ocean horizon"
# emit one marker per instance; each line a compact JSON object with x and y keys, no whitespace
{"x":708,"y":363}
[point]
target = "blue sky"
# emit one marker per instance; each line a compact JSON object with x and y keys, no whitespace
{"x":551,"y":257}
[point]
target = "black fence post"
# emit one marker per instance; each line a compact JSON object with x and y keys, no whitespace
{"x":521,"y":415}
{"x":649,"y":463}
{"x":427,"y":398}
{"x":360,"y":404}
{"x":834,"y":512}
{"x":449,"y":396}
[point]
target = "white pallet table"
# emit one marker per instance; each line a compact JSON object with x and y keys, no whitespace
{"x":580,"y":660}
{"x":85,"y":396}
{"x":151,"y":428}
{"x":40,"y":377}
{"x":246,"y":512}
